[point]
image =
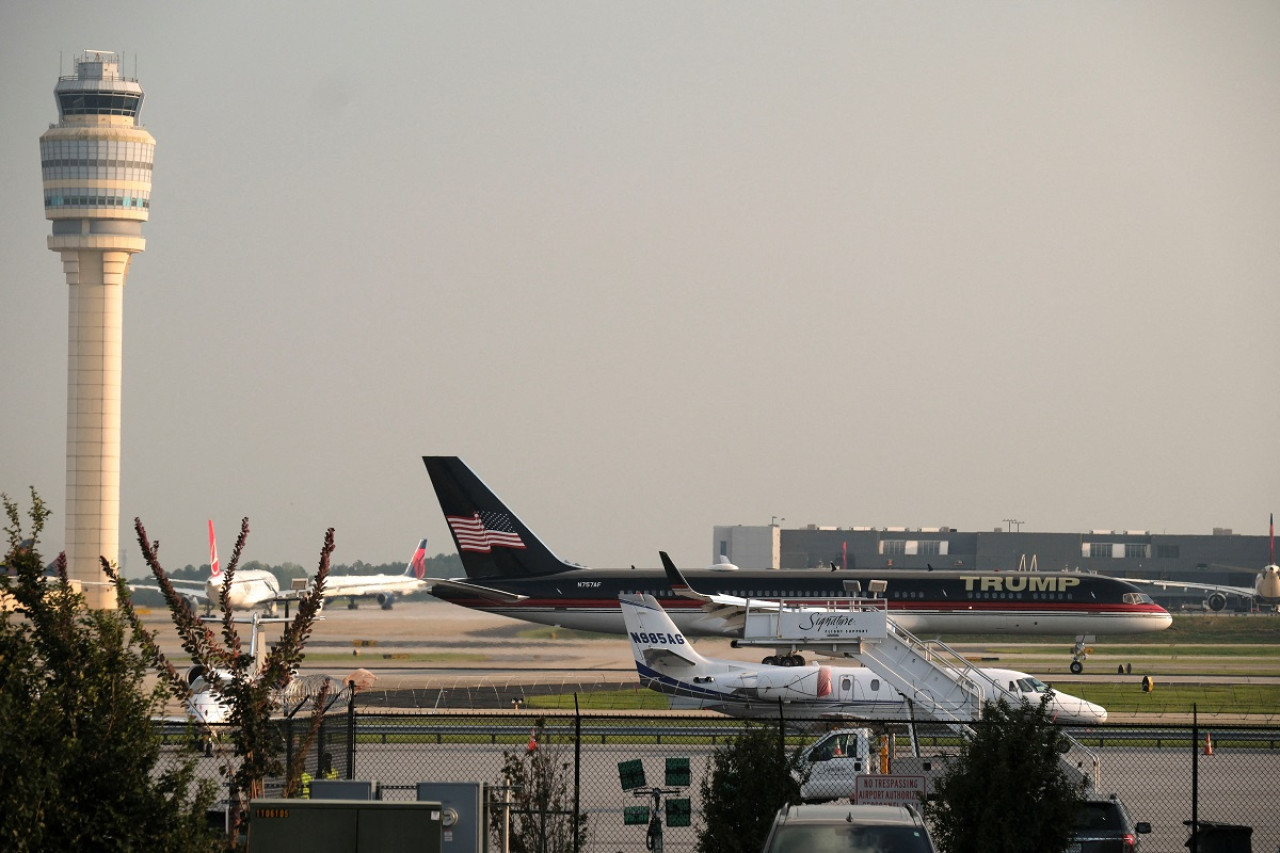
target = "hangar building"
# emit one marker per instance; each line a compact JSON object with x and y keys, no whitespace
{"x":1222,"y":557}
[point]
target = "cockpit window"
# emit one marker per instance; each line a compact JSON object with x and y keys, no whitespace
{"x":1137,"y":598}
{"x":1032,"y":685}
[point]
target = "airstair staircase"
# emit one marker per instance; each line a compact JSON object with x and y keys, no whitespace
{"x":938,"y":681}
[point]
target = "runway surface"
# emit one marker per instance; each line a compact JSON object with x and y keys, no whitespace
{"x":431,"y":646}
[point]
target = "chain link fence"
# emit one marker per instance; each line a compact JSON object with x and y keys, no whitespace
{"x":1166,"y":775}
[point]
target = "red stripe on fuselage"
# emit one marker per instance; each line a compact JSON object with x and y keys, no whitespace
{"x":689,"y":605}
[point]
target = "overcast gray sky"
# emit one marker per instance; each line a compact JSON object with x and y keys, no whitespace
{"x":652,"y":267}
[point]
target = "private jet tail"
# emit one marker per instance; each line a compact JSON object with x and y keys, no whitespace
{"x":491,"y":540}
{"x":656,"y":642}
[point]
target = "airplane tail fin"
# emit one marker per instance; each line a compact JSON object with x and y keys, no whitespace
{"x":491,"y":540}
{"x":656,"y":642}
{"x":417,"y":567}
{"x":215,"y":568}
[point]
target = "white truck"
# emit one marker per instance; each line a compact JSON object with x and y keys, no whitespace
{"x":829,"y":769}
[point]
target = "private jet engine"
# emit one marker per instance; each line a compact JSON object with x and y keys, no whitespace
{"x":193,"y":674}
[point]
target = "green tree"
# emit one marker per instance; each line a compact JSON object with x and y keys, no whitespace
{"x":79,"y":757}
{"x":251,"y":745}
{"x":751,"y":777}
{"x":1007,"y":791}
{"x":540,"y":781}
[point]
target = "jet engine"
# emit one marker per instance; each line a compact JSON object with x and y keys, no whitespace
{"x":386,"y":599}
{"x":1216,"y":602}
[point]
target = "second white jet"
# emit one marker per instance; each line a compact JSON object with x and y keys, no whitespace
{"x":668,"y":663}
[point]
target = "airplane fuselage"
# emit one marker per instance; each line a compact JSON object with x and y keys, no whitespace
{"x":249,"y":588}
{"x":1268,"y":585}
{"x":937,"y":601}
{"x":835,"y":691}
{"x":372,"y":585}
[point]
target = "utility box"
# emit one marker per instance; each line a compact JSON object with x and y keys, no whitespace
{"x":344,"y":826}
{"x":1214,"y":837}
{"x":464,"y":827}
{"x":343,"y":789}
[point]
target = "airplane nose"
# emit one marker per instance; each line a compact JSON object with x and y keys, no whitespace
{"x":1080,"y":712}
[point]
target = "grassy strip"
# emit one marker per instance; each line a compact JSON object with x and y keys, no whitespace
{"x":630,"y":699}
{"x":1208,"y":699}
{"x":420,"y":657}
{"x":1171,"y":650}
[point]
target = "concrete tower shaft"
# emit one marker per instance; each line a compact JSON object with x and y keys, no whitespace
{"x":96,"y":163}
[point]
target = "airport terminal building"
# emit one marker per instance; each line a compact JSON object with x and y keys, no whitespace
{"x":1218,"y":558}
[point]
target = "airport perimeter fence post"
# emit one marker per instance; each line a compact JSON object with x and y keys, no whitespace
{"x":351,"y":730}
{"x":782,"y":735}
{"x":1193,"y":842}
{"x":577,"y":772}
{"x":288,"y":744}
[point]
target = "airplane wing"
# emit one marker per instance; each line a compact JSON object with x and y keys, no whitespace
{"x":681,"y":587}
{"x":718,"y":603}
{"x":192,"y":591}
{"x":1221,"y":589}
{"x":476,"y":589}
{"x":723,"y":613}
{"x":182,"y":587}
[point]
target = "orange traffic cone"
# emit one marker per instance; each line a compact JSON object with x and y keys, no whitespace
{"x":1208,"y":744}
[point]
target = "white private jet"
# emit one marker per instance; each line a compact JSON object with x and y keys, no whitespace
{"x":668,"y":663}
{"x":1265,"y":589}
{"x":207,"y":704}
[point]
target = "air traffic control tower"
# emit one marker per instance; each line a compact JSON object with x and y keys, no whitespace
{"x":96,"y":163}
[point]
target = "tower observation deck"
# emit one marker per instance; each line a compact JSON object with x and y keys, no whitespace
{"x":96,"y":163}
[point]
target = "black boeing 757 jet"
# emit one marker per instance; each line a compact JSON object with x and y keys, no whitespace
{"x":510,"y":572}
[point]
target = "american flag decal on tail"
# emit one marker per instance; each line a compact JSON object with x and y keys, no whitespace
{"x":484,"y":531}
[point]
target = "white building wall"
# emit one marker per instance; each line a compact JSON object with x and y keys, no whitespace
{"x":748,"y":547}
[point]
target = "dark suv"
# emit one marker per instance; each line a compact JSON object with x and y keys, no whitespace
{"x":1104,"y":826}
{"x":835,"y":828}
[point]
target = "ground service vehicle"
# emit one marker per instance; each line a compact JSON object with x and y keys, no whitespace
{"x":842,"y":828}
{"x":1104,"y":826}
{"x":829,"y":768}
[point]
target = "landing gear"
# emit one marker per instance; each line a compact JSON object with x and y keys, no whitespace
{"x":784,"y":660}
{"x":1080,"y":653}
